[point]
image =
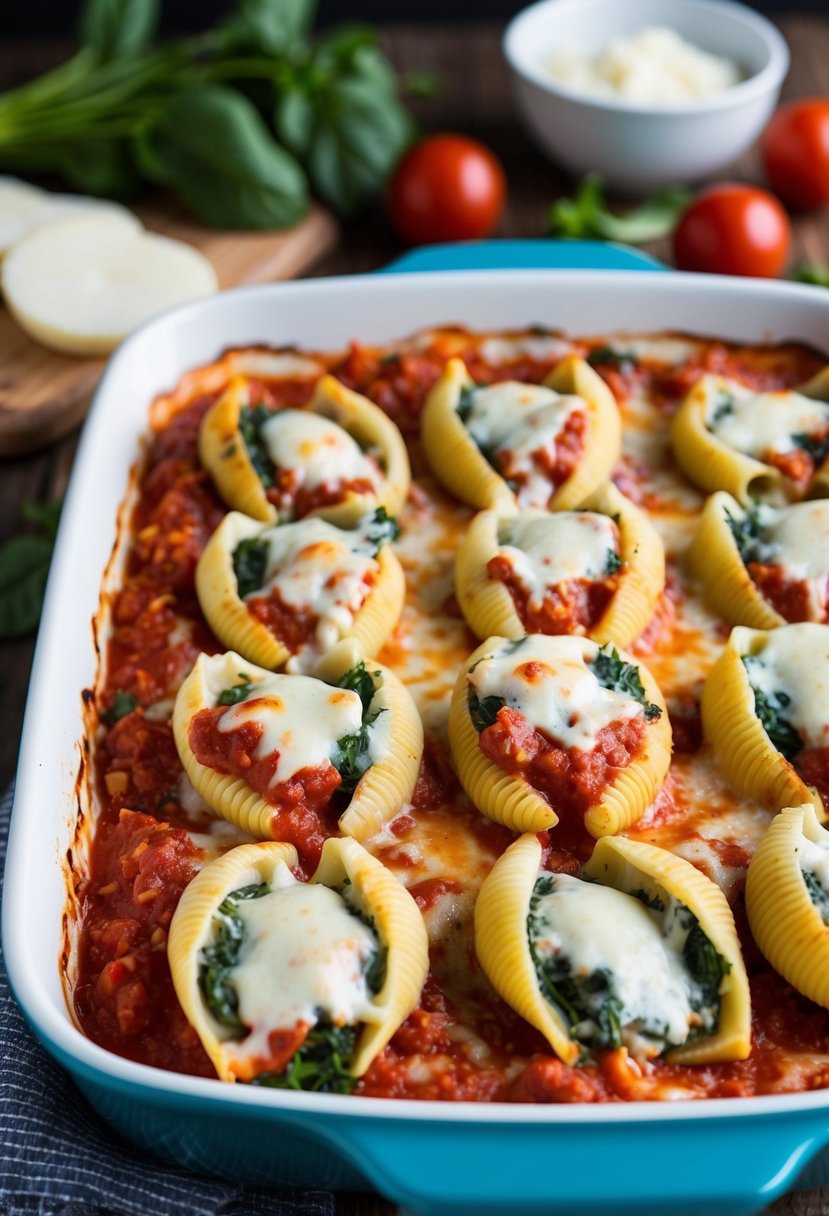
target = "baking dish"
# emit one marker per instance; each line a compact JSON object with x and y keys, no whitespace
{"x":730,"y":1156}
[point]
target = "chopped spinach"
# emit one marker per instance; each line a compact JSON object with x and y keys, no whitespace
{"x":320,"y":1065}
{"x":251,"y":420}
{"x":722,"y":406}
{"x":351,"y":756}
{"x":707,"y":968}
{"x":466,"y":400}
{"x":816,"y":446}
{"x":625,"y":360}
{"x":748,"y":533}
{"x":613,"y":564}
{"x":239,"y":692}
{"x":484,"y":710}
{"x":123,"y":703}
{"x":817,"y":893}
{"x":382,"y":529}
{"x":770,"y":709}
{"x":651,"y":901}
{"x":613,"y":673}
{"x":250,"y":562}
{"x":219,"y":958}
{"x":374,"y":967}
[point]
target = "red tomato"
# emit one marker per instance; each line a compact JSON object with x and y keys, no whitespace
{"x":796,"y":152}
{"x":733,"y":229}
{"x":447,"y":188}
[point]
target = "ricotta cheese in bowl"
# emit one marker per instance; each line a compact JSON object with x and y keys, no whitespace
{"x":654,"y":66}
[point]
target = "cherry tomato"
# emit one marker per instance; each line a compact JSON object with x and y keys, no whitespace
{"x":733,"y":229}
{"x":796,"y":151}
{"x":447,"y":188}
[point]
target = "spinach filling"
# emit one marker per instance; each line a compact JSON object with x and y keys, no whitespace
{"x":591,"y":999}
{"x":466,"y":400}
{"x":613,"y":564}
{"x":816,"y":446}
{"x":721,"y":407}
{"x":484,"y":710}
{"x":749,"y":534}
{"x":123,"y":703}
{"x":817,"y":894}
{"x":351,"y":756}
{"x":617,"y":676}
{"x":625,"y":360}
{"x":321,"y":1064}
{"x":250,"y":564}
{"x":381,"y":529}
{"x":770,"y":709}
{"x":251,"y":420}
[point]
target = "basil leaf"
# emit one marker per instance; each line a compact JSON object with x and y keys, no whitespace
{"x":271,"y":26}
{"x":250,"y":563}
{"x":213,"y":148}
{"x":813,"y":273}
{"x":587,"y":215}
{"x":239,"y":692}
{"x":123,"y":703}
{"x":116,"y":29}
{"x":102,"y":167}
{"x":24,"y":567}
{"x":484,"y":710}
{"x":320,"y":1065}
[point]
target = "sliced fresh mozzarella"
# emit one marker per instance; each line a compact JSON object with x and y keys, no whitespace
{"x":82,"y":284}
{"x":23,"y":207}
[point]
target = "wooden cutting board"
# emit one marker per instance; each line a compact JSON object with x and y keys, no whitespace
{"x":43,"y":394}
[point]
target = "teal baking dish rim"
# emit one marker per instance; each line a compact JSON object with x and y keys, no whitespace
{"x":718,"y":1156}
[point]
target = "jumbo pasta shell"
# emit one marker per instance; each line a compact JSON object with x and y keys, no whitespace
{"x":786,"y":924}
{"x":372,"y":890}
{"x":400,"y":928}
{"x":224,"y":454}
{"x":489,"y":607}
{"x":512,"y":801}
{"x":389,"y":784}
{"x":460,"y":465}
{"x":378,"y":796}
{"x":751,"y":763}
{"x":709,"y":463}
{"x":502,"y":944}
{"x":715,"y":559}
{"x":190,"y":930}
{"x":634,"y":865}
{"x":238,"y":629}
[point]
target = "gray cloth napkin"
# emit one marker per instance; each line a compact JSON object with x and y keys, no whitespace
{"x":58,"y":1158}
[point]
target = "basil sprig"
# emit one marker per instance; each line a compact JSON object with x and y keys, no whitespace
{"x":24,"y":567}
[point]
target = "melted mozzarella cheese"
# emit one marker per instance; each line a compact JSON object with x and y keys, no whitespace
{"x":520,"y":419}
{"x":301,"y":719}
{"x":541,"y":347}
{"x":545,"y":549}
{"x":760,"y":423}
{"x":319,"y":448}
{"x":795,"y":661}
{"x":303,"y":959}
{"x":313,"y":563}
{"x":600,"y":929}
{"x":797,"y":540}
{"x":548,"y":681}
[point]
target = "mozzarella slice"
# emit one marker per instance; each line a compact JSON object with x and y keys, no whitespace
{"x":80,"y":285}
{"x":23,"y":207}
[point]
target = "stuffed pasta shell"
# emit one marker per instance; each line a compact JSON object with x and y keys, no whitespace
{"x":771,"y":445}
{"x":514,"y":445}
{"x":787,"y":900}
{"x":761,"y":565}
{"x":765,"y":708}
{"x":289,"y":592}
{"x":597,"y":571}
{"x":294,"y":984}
{"x":339,"y":456}
{"x":289,"y":757}
{"x":638,"y":951}
{"x":544,"y":728}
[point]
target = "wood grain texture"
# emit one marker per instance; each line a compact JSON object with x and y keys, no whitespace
{"x":44,"y":395}
{"x":475,"y":99}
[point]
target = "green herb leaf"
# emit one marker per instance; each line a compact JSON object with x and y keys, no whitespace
{"x":613,"y":564}
{"x":361,"y":681}
{"x":272,"y":27}
{"x":613,"y":673}
{"x":770,"y":709}
{"x":239,"y":692}
{"x":321,"y":1065}
{"x":250,"y":563}
{"x":341,"y":115}
{"x":587,"y":215}
{"x":123,"y":703}
{"x":484,"y":710}
{"x":218,"y":959}
{"x":815,"y":274}
{"x":749,"y":533}
{"x":101,"y":167}
{"x":351,"y":756}
{"x":212,"y":146}
{"x":382,"y":529}
{"x":115,"y":29}
{"x":706,"y":966}
{"x":817,"y":446}
{"x":723,"y":406}
{"x":817,"y":894}
{"x":24,"y":568}
{"x":251,"y":420}
{"x":625,"y":360}
{"x":423,"y":84}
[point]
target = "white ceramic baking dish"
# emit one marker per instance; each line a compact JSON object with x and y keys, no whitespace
{"x":729,"y":1156}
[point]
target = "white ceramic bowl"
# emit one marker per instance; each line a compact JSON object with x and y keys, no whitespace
{"x":640,"y":148}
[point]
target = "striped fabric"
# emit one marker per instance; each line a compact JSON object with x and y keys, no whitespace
{"x":57,"y":1158}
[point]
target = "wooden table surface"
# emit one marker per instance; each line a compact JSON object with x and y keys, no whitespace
{"x":474,"y":99}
